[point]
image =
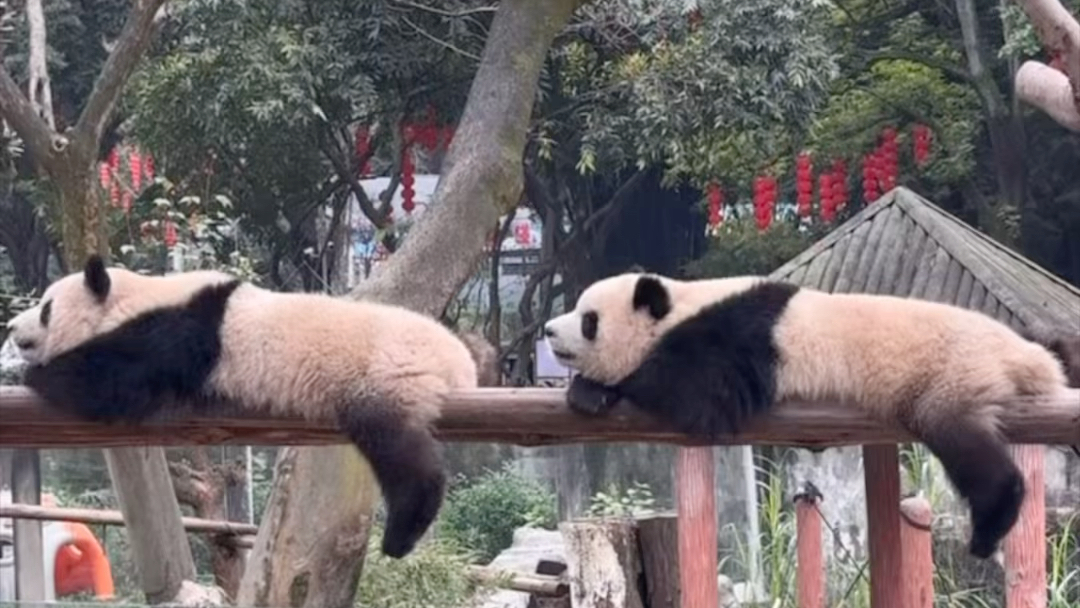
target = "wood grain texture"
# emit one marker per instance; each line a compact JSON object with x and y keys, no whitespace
{"x":695,"y":499}
{"x":522,"y":416}
{"x":1025,"y":545}
{"x":916,"y":518}
{"x":881,"y":467}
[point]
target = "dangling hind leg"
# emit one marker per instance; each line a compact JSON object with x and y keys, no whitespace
{"x":408,"y":464}
{"x":978,"y":463}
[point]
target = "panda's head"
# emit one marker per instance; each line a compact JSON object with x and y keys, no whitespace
{"x":82,"y":305}
{"x":71,"y":311}
{"x":614,"y":324}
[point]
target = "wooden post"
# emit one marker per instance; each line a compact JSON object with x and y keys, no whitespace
{"x":695,"y":494}
{"x":916,"y":539}
{"x":29,"y":560}
{"x":1025,"y":545}
{"x":881,"y":468}
{"x":603,"y":564}
{"x":659,"y":538}
{"x":810,"y":567}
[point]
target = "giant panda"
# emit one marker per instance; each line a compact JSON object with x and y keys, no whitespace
{"x":111,"y":345}
{"x":708,"y":355}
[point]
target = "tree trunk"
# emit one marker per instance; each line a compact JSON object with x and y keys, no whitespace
{"x":1005,"y":130}
{"x":312,"y":539}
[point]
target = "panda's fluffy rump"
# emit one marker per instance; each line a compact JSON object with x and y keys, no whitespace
{"x":886,"y":353}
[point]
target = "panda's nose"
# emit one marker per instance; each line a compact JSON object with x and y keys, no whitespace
{"x":549,"y":332}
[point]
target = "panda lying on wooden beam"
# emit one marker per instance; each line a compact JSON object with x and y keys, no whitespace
{"x":708,"y":355}
{"x":111,"y":345}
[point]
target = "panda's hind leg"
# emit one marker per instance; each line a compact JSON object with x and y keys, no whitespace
{"x":978,"y":463}
{"x":408,"y":465}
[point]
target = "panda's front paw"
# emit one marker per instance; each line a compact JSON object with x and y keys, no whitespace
{"x":589,"y":397}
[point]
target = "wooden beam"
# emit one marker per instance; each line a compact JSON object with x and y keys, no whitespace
{"x":535,"y":584}
{"x":115,"y":518}
{"x":523,"y":416}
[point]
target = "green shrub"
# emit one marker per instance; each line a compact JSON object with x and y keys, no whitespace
{"x":432,"y":575}
{"x":483,"y":514}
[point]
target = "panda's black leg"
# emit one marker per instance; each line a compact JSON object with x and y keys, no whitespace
{"x":408,"y":464}
{"x":590,"y":397}
{"x":978,"y":463}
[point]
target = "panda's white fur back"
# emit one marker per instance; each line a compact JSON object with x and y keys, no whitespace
{"x":876,"y":350}
{"x":307,"y":354}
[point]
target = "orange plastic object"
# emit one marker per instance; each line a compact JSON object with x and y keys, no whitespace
{"x":81,"y":565}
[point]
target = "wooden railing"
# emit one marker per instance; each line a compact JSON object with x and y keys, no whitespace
{"x":525,"y":416}
{"x":899,"y":551}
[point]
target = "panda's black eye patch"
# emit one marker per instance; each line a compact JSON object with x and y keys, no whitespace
{"x":46,"y":313}
{"x":590,"y":322}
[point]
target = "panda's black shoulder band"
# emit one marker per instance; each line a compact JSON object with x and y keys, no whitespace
{"x":711,"y":373}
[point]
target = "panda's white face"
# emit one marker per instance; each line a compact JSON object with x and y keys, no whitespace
{"x":614,"y":324}
{"x":70,"y":312}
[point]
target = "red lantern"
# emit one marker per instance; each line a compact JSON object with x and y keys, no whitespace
{"x":135,"y":164}
{"x":716,"y":200}
{"x":104,"y":175}
{"x":125,"y":201}
{"x":114,"y":160}
{"x":870,"y":181}
{"x":170,"y":234}
{"x":804,"y":184}
{"x":763,"y":211}
{"x":921,"y":136}
{"x":114,"y":192}
{"x":148,"y":166}
{"x":407,"y":192}
{"x":825,"y":197}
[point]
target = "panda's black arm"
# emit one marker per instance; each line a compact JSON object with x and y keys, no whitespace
{"x":590,"y":397}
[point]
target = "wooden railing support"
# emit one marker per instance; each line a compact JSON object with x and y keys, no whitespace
{"x":1025,"y":546}
{"x":881,"y":467}
{"x":695,"y":496}
{"x":810,"y":566}
{"x":916,"y":518}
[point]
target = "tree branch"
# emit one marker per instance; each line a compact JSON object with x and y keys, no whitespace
{"x":1050,"y":91}
{"x":17,"y":110}
{"x":129,"y":48}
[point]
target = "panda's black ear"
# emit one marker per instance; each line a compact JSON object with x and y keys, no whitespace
{"x":651,"y":294}
{"x":96,"y":277}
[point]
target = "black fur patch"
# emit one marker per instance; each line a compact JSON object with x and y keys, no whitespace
{"x":96,"y":277}
{"x":980,"y":467}
{"x":590,"y":324}
{"x":651,"y":294}
{"x":590,"y":397}
{"x":715,"y":370}
{"x":136,"y":370}
{"x":408,"y":464}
